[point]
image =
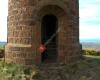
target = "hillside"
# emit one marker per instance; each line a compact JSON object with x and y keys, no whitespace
{"x":86,"y":69}
{"x":2,"y":44}
{"x":85,"y":45}
{"x":91,"y":46}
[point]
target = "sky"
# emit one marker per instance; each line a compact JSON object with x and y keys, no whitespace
{"x":3,"y":19}
{"x":89,"y":19}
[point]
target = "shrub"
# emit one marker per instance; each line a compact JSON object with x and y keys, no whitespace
{"x":91,"y":52}
{"x":13,"y":71}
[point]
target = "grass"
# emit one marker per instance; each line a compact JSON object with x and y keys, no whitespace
{"x":1,"y":47}
{"x":14,"y":71}
{"x":86,"y":69}
{"x":92,"y":57}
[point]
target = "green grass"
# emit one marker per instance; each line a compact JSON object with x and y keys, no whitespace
{"x":92,"y":57}
{"x":13,"y":71}
{"x":85,"y":69}
{"x":1,"y":47}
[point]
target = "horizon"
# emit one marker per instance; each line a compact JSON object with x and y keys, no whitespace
{"x":89,"y":20}
{"x":81,"y":41}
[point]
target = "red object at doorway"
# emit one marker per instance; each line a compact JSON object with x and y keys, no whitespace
{"x":42,"y":48}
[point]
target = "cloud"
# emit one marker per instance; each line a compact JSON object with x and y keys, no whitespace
{"x":89,"y":19}
{"x":89,"y":10}
{"x":90,"y":32}
{"x":3,"y":19}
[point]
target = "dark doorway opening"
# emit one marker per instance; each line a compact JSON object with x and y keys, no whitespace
{"x":49,"y":27}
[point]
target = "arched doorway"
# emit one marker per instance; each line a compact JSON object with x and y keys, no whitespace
{"x":49,"y":28}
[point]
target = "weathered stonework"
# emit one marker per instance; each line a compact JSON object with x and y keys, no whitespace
{"x":24,"y":30}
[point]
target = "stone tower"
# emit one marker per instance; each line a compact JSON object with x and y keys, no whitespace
{"x":52,"y":25}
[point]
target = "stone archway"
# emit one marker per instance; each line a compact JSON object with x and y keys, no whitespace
{"x":49,"y":27}
{"x":60,"y":20}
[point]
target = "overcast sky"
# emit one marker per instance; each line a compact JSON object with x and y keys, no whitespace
{"x":89,"y":19}
{"x":3,"y":19}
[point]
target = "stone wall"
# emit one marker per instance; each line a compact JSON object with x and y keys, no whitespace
{"x":24,"y":30}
